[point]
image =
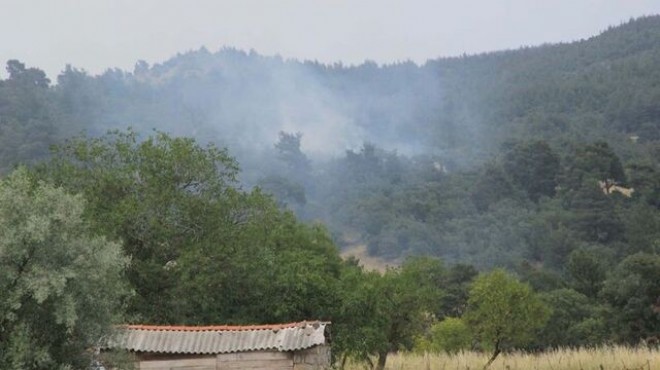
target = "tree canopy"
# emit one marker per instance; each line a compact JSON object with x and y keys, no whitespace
{"x":61,"y":284}
{"x":544,"y":161}
{"x":192,"y":232}
{"x":504,"y":312}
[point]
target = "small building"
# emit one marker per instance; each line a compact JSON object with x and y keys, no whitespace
{"x":294,"y":346}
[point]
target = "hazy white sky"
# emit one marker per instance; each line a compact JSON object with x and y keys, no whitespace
{"x":99,"y":34}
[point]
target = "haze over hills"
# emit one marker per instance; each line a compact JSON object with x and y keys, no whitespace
{"x":382,"y":130}
{"x":539,"y":165}
{"x":448,"y":105}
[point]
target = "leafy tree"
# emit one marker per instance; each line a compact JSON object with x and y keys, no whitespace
{"x":491,"y":187}
{"x":408,"y":293}
{"x":62,"y":287}
{"x":288,"y":149}
{"x":287,"y":193}
{"x":587,"y":269}
{"x":456,"y":286}
{"x":595,"y":218}
{"x":26,"y":76}
{"x":450,"y":335}
{"x":642,"y":229}
{"x":293,"y":165}
{"x":28,"y":119}
{"x":384,"y":313}
{"x":503,"y":312}
{"x":273,"y":269}
{"x":534,"y":167}
{"x":575,"y":320}
{"x":591,"y":163}
{"x":633,"y":290}
{"x":539,"y":278}
{"x":157,"y":196}
{"x":645,"y":179}
{"x":371,"y":167}
{"x":358,"y":324}
{"x":80,"y":101}
{"x":497,"y":237}
{"x":196,"y":239}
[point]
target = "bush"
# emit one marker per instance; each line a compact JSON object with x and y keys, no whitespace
{"x":450,"y":335}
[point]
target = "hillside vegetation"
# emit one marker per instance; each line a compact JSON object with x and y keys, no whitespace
{"x":542,"y":161}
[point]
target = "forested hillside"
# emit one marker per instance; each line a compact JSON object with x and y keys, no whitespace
{"x":407,"y":156}
{"x":543,"y":160}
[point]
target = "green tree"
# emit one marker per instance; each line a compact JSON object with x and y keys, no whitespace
{"x":575,"y":320}
{"x":456,"y":286}
{"x":203,"y":251}
{"x":504,"y":312}
{"x":274,"y":269}
{"x":358,"y":325}
{"x":288,"y":150}
{"x":61,"y":286}
{"x":450,"y":335}
{"x":645,"y":179}
{"x":633,"y":290}
{"x":534,"y":167}
{"x":539,"y":278}
{"x":587,"y":269}
{"x":591,"y":163}
{"x":28,"y":117}
{"x":642,"y":229}
{"x":287,"y":192}
{"x":595,"y":217}
{"x":384,"y":313}
{"x":491,"y":187}
{"x":409,"y":293}
{"x":157,"y":196}
{"x":551,"y":238}
{"x":294,"y":166}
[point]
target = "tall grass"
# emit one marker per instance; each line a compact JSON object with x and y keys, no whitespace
{"x":604,"y":358}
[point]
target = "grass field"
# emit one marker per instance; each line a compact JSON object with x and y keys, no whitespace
{"x":606,"y":358}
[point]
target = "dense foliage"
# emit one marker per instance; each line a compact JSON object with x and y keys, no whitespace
{"x":61,"y":286}
{"x":503,"y":312}
{"x":543,"y":161}
{"x":191,"y":231}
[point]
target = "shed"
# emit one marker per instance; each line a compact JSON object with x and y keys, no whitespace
{"x":293,"y":346}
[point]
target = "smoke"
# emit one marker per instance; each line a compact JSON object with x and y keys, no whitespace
{"x":243,"y":100}
{"x":305,"y":105}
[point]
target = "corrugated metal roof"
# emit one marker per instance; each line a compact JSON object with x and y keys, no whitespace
{"x":219,"y":339}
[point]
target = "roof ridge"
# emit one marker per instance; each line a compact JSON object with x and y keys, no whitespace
{"x":219,"y":327}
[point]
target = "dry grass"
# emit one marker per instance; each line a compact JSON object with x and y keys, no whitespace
{"x":606,"y":358}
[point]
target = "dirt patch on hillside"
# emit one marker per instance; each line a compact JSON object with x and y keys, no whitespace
{"x":359,"y":251}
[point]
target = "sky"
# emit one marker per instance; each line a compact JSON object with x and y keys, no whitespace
{"x":95,"y":35}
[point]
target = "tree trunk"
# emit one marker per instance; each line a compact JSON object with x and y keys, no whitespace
{"x":382,"y":357}
{"x":343,"y":361}
{"x":494,"y":356}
